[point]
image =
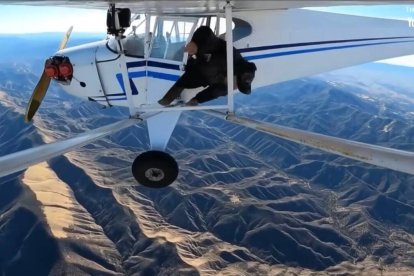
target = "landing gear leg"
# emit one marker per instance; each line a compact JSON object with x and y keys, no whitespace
{"x":155,"y":169}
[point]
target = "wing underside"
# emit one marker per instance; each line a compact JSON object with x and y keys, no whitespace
{"x":21,"y":160}
{"x":199,"y":6}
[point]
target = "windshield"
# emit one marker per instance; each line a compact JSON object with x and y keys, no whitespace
{"x":134,"y":41}
{"x":170,"y":37}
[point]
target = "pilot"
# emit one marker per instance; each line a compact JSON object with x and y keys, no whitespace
{"x":207,"y":67}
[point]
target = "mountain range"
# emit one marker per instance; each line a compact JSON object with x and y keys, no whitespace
{"x":244,"y":203}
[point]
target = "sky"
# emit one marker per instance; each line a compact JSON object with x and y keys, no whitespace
{"x":29,"y":19}
{"x":59,"y":19}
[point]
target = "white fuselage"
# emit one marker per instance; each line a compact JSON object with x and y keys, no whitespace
{"x":284,"y":44}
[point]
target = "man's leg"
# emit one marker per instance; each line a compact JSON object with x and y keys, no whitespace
{"x":210,"y":93}
{"x":171,"y":95}
{"x":187,"y":80}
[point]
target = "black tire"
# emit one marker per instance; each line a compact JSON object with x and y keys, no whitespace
{"x":155,"y":169}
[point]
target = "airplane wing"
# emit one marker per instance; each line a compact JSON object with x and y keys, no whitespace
{"x":21,"y":160}
{"x":199,"y":6}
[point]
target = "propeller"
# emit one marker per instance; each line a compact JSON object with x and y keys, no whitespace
{"x":41,"y":88}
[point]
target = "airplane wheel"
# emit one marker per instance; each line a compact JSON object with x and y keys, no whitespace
{"x":155,"y":169}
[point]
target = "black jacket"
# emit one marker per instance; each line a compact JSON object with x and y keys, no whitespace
{"x":211,"y":57}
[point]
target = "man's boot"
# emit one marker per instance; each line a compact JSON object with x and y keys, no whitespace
{"x":171,"y":95}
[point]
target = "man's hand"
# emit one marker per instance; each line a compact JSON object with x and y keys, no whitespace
{"x":192,"y":102}
{"x":191,"y":48}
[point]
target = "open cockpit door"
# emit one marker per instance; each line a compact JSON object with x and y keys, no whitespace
{"x":164,"y":66}
{"x":165,"y":62}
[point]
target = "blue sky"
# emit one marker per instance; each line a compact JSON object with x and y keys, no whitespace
{"x":28,"y":19}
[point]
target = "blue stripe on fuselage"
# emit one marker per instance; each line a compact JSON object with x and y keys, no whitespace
{"x":295,"y":52}
{"x":135,"y":64}
{"x":134,"y":89}
{"x":151,"y":63}
{"x":163,"y":76}
{"x":153,"y":74}
{"x":313,"y":43}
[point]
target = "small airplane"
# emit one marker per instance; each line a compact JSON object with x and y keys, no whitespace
{"x":144,"y":55}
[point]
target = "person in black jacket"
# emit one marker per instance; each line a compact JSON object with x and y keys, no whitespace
{"x":207,"y":67}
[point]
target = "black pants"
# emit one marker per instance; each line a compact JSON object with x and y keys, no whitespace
{"x":193,"y":79}
{"x":212,"y":92}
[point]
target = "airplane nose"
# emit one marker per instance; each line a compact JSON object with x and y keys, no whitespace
{"x":77,"y":70}
{"x":66,"y":69}
{"x":59,"y":68}
{"x":51,"y":70}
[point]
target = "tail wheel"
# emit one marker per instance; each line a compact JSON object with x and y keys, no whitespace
{"x":155,"y":169}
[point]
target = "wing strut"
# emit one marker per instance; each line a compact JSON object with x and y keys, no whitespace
{"x":398,"y":160}
{"x":229,"y":49}
{"x":21,"y":160}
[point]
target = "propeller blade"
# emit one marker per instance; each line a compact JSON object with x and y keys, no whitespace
{"x":41,"y":88}
{"x":65,"y":38}
{"x":37,"y":97}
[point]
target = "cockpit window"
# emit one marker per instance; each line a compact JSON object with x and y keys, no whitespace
{"x":134,"y":41}
{"x":170,"y":37}
{"x":134,"y":45}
